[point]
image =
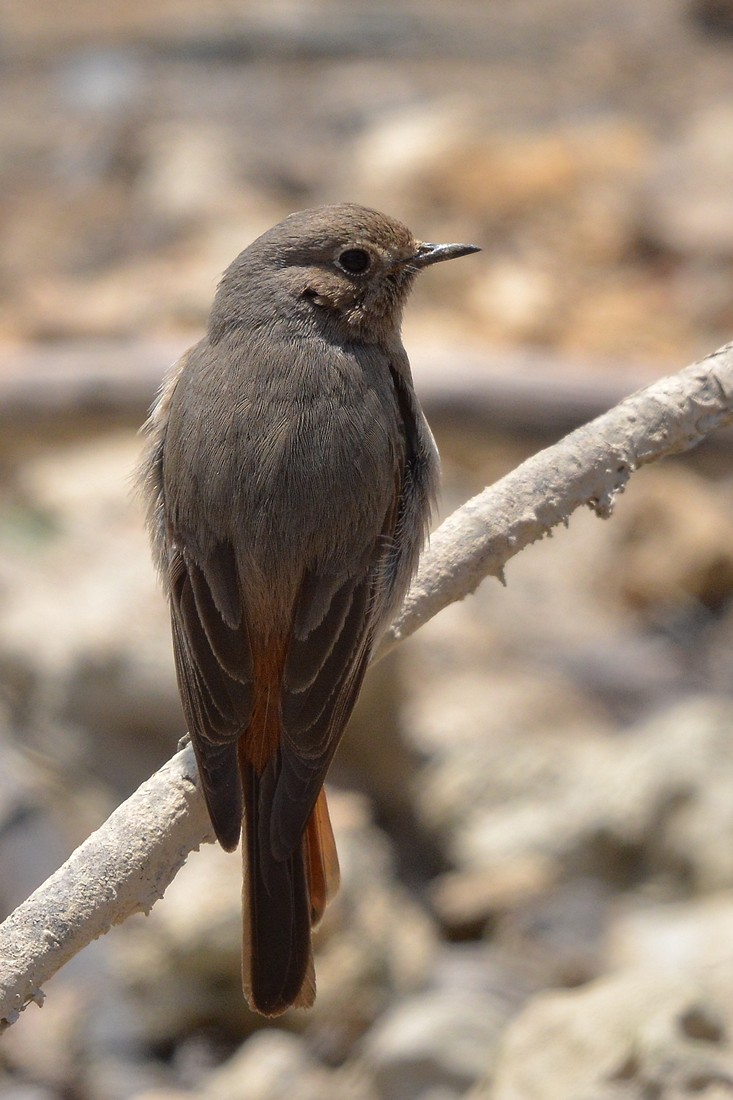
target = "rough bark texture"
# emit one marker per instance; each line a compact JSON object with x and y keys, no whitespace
{"x":127,"y":864}
{"x":123,"y":868}
{"x":591,"y":466}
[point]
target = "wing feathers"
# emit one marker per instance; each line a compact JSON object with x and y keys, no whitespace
{"x":217,"y":763}
{"x":310,"y":645}
{"x":327,"y":656}
{"x":230,"y":645}
{"x":217,"y":706}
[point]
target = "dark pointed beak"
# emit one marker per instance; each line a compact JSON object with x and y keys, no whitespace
{"x":435,"y":253}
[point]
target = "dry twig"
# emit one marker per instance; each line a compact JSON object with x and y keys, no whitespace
{"x":127,"y":864}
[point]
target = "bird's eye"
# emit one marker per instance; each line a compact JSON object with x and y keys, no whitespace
{"x":355,"y":260}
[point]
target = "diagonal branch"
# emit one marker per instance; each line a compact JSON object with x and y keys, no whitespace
{"x":591,"y":466}
{"x":127,"y":864}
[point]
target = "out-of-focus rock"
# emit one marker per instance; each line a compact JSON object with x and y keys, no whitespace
{"x":714,"y":16}
{"x":81,"y":1035}
{"x":718,"y":655}
{"x":516,"y":296}
{"x":114,"y":304}
{"x":42,"y":1044}
{"x":438,"y":1043}
{"x":375,"y":945}
{"x":464,"y":901}
{"x":374,"y":756}
{"x":165,"y":1094}
{"x":689,"y":208}
{"x":563,"y":933}
{"x":109,"y":1076}
{"x":26,"y":1091}
{"x":694,"y":936}
{"x":35,"y":834}
{"x":489,"y":971}
{"x":443,"y":155}
{"x":186,"y":170}
{"x":181,"y":964}
{"x":632,"y":1035}
{"x":654,"y":802}
{"x":276,"y":1066}
{"x":505,"y":757}
{"x":82,"y":613}
{"x":670,"y":551}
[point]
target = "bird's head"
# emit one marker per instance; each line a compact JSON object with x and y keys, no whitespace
{"x":343,"y":266}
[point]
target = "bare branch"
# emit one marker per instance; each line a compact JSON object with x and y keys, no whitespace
{"x":123,"y":868}
{"x":591,"y":466}
{"x":127,"y":864}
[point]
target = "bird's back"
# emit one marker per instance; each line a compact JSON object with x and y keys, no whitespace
{"x":285,"y":401}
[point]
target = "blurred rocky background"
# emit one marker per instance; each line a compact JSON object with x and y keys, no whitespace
{"x":534,"y":804}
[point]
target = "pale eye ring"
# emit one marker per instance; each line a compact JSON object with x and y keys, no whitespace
{"x":354,"y":261}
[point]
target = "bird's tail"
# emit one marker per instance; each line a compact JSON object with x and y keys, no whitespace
{"x":282,"y":900}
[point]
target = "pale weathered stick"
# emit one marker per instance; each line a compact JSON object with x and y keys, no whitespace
{"x":128,"y":863}
{"x":122,"y":868}
{"x":591,"y":466}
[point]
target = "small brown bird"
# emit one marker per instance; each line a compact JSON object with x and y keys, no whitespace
{"x":289,"y":478}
